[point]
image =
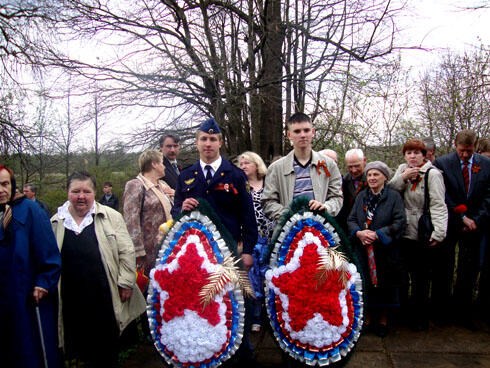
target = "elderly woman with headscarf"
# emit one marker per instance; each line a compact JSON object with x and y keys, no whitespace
{"x":411,"y":179}
{"x":376,"y":222}
{"x":98,"y":296}
{"x":30,"y":267}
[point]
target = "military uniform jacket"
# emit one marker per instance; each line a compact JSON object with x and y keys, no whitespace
{"x":229,"y":196}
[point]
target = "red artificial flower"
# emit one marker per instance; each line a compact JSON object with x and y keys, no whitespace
{"x":306,"y":297}
{"x":460,"y":209}
{"x":475,"y":168}
{"x":183,"y":287}
{"x":320,"y":165}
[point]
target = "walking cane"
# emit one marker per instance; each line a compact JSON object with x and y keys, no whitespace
{"x":41,"y":335}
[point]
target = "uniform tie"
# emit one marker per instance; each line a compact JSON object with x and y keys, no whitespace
{"x":466,"y":177}
{"x":209,"y":175}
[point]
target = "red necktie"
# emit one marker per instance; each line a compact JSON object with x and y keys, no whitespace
{"x":466,"y":177}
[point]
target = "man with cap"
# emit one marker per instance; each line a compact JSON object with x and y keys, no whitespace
{"x":223,"y":185}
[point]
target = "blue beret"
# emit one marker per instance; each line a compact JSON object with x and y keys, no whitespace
{"x":210,"y":126}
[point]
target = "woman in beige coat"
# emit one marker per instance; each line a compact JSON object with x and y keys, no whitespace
{"x":409,"y":181}
{"x":98,"y":296}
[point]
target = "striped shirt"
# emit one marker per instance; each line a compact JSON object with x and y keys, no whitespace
{"x":302,"y":185}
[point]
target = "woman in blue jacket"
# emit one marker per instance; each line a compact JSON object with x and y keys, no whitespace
{"x":30,"y":267}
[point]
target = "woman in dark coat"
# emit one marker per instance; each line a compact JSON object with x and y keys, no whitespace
{"x":29,"y":271}
{"x":376,"y":222}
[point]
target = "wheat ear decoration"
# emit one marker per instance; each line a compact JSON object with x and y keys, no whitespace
{"x":331,"y":259}
{"x":226,"y":272}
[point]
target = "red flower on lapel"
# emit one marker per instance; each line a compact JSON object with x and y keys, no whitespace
{"x":475,"y":168}
{"x":460,"y":209}
{"x":320,"y":165}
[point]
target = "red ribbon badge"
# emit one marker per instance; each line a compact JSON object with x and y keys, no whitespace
{"x":475,"y":168}
{"x":414,"y":182}
{"x":226,"y":188}
{"x":320,"y":165}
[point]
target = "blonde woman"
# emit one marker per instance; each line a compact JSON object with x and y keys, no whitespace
{"x":255,"y":170}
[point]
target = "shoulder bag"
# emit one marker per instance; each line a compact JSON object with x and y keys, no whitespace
{"x":425,"y":227}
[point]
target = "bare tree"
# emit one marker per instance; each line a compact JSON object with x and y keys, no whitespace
{"x":455,"y":95}
{"x":232,"y":59}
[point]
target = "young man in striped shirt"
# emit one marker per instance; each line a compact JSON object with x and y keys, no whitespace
{"x":303,"y":172}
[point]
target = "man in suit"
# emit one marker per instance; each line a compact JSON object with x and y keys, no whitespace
{"x":30,"y":191}
{"x":170,"y":147}
{"x":467,"y":179}
{"x":352,"y":183}
{"x":226,"y":189}
{"x":109,"y":198}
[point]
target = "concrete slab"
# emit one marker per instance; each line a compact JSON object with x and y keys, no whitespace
{"x":439,"y":340}
{"x":365,"y":359}
{"x":402,"y":348}
{"x":439,"y":360}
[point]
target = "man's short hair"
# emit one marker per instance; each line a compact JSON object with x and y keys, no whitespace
{"x":31,"y":187}
{"x":81,"y":176}
{"x":299,"y":117}
{"x":355,"y":152}
{"x":162,"y":139}
{"x":147,"y":158}
{"x":466,"y":137}
{"x":429,"y":143}
{"x":107,"y":184}
{"x":484,"y":145}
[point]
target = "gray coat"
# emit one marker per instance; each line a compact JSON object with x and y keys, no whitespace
{"x":414,"y":201}
{"x":279,"y":185}
{"x":389,"y":221}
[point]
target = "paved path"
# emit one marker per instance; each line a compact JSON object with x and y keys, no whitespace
{"x":436,"y":348}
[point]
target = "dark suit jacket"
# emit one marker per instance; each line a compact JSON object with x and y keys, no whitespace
{"x":233,"y":206}
{"x":478,"y":199}
{"x":350,"y":193}
{"x":171,"y":176}
{"x":112,"y":202}
{"x":43,"y":205}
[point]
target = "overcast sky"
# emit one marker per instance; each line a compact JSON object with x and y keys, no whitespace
{"x":441,"y":24}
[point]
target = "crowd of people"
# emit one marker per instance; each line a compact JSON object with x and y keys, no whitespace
{"x":76,"y":282}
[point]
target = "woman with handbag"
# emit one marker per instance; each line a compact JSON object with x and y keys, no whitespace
{"x":422,"y":187}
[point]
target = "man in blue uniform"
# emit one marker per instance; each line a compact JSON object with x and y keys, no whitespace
{"x":223,"y":185}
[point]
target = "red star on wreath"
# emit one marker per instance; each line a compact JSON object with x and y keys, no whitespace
{"x":306,"y":297}
{"x":183,"y":286}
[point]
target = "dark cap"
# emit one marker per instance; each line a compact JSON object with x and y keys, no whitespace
{"x":210,"y":126}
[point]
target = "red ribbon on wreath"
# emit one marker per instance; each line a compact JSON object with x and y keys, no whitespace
{"x":322,"y":165}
